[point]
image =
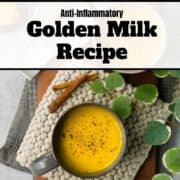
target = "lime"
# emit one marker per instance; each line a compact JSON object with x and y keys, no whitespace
{"x":171,"y":160}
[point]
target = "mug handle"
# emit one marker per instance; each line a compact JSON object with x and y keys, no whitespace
{"x":43,"y":164}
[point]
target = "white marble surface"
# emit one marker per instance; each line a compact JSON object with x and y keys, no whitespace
{"x":11,"y":86}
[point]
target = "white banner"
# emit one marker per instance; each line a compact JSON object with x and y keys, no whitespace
{"x":89,"y":35}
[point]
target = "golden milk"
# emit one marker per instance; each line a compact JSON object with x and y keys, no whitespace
{"x":91,"y":139}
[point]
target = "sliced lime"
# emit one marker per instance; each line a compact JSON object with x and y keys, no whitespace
{"x":171,"y":160}
{"x":97,"y":86}
{"x":122,"y":106}
{"x":156,"y":133}
{"x":161,"y":73}
{"x":162,"y":176}
{"x":147,"y":93}
{"x":114,"y":80}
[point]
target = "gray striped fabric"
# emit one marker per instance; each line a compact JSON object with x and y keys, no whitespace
{"x":24,"y":114}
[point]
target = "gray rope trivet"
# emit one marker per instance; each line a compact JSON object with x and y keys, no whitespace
{"x":38,"y":137}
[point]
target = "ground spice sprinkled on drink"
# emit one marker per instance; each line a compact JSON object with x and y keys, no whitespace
{"x":90,"y":134}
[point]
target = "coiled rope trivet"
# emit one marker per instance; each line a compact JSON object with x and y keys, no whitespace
{"x":37,"y":140}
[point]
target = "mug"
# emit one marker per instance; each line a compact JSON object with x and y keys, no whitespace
{"x":50,"y":161}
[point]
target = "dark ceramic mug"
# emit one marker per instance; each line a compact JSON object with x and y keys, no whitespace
{"x":51,"y":161}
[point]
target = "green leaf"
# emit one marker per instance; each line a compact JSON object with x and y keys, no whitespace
{"x":122,"y":106}
{"x":175,"y":109}
{"x":171,"y":160}
{"x":97,"y":86}
{"x":161,"y":73}
{"x":175,"y":73}
{"x":171,"y":107}
{"x":114,"y":80}
{"x":147,"y":93}
{"x":162,"y":176}
{"x":156,"y":133}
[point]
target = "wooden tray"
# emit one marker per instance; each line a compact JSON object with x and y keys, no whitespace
{"x":148,"y":169}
